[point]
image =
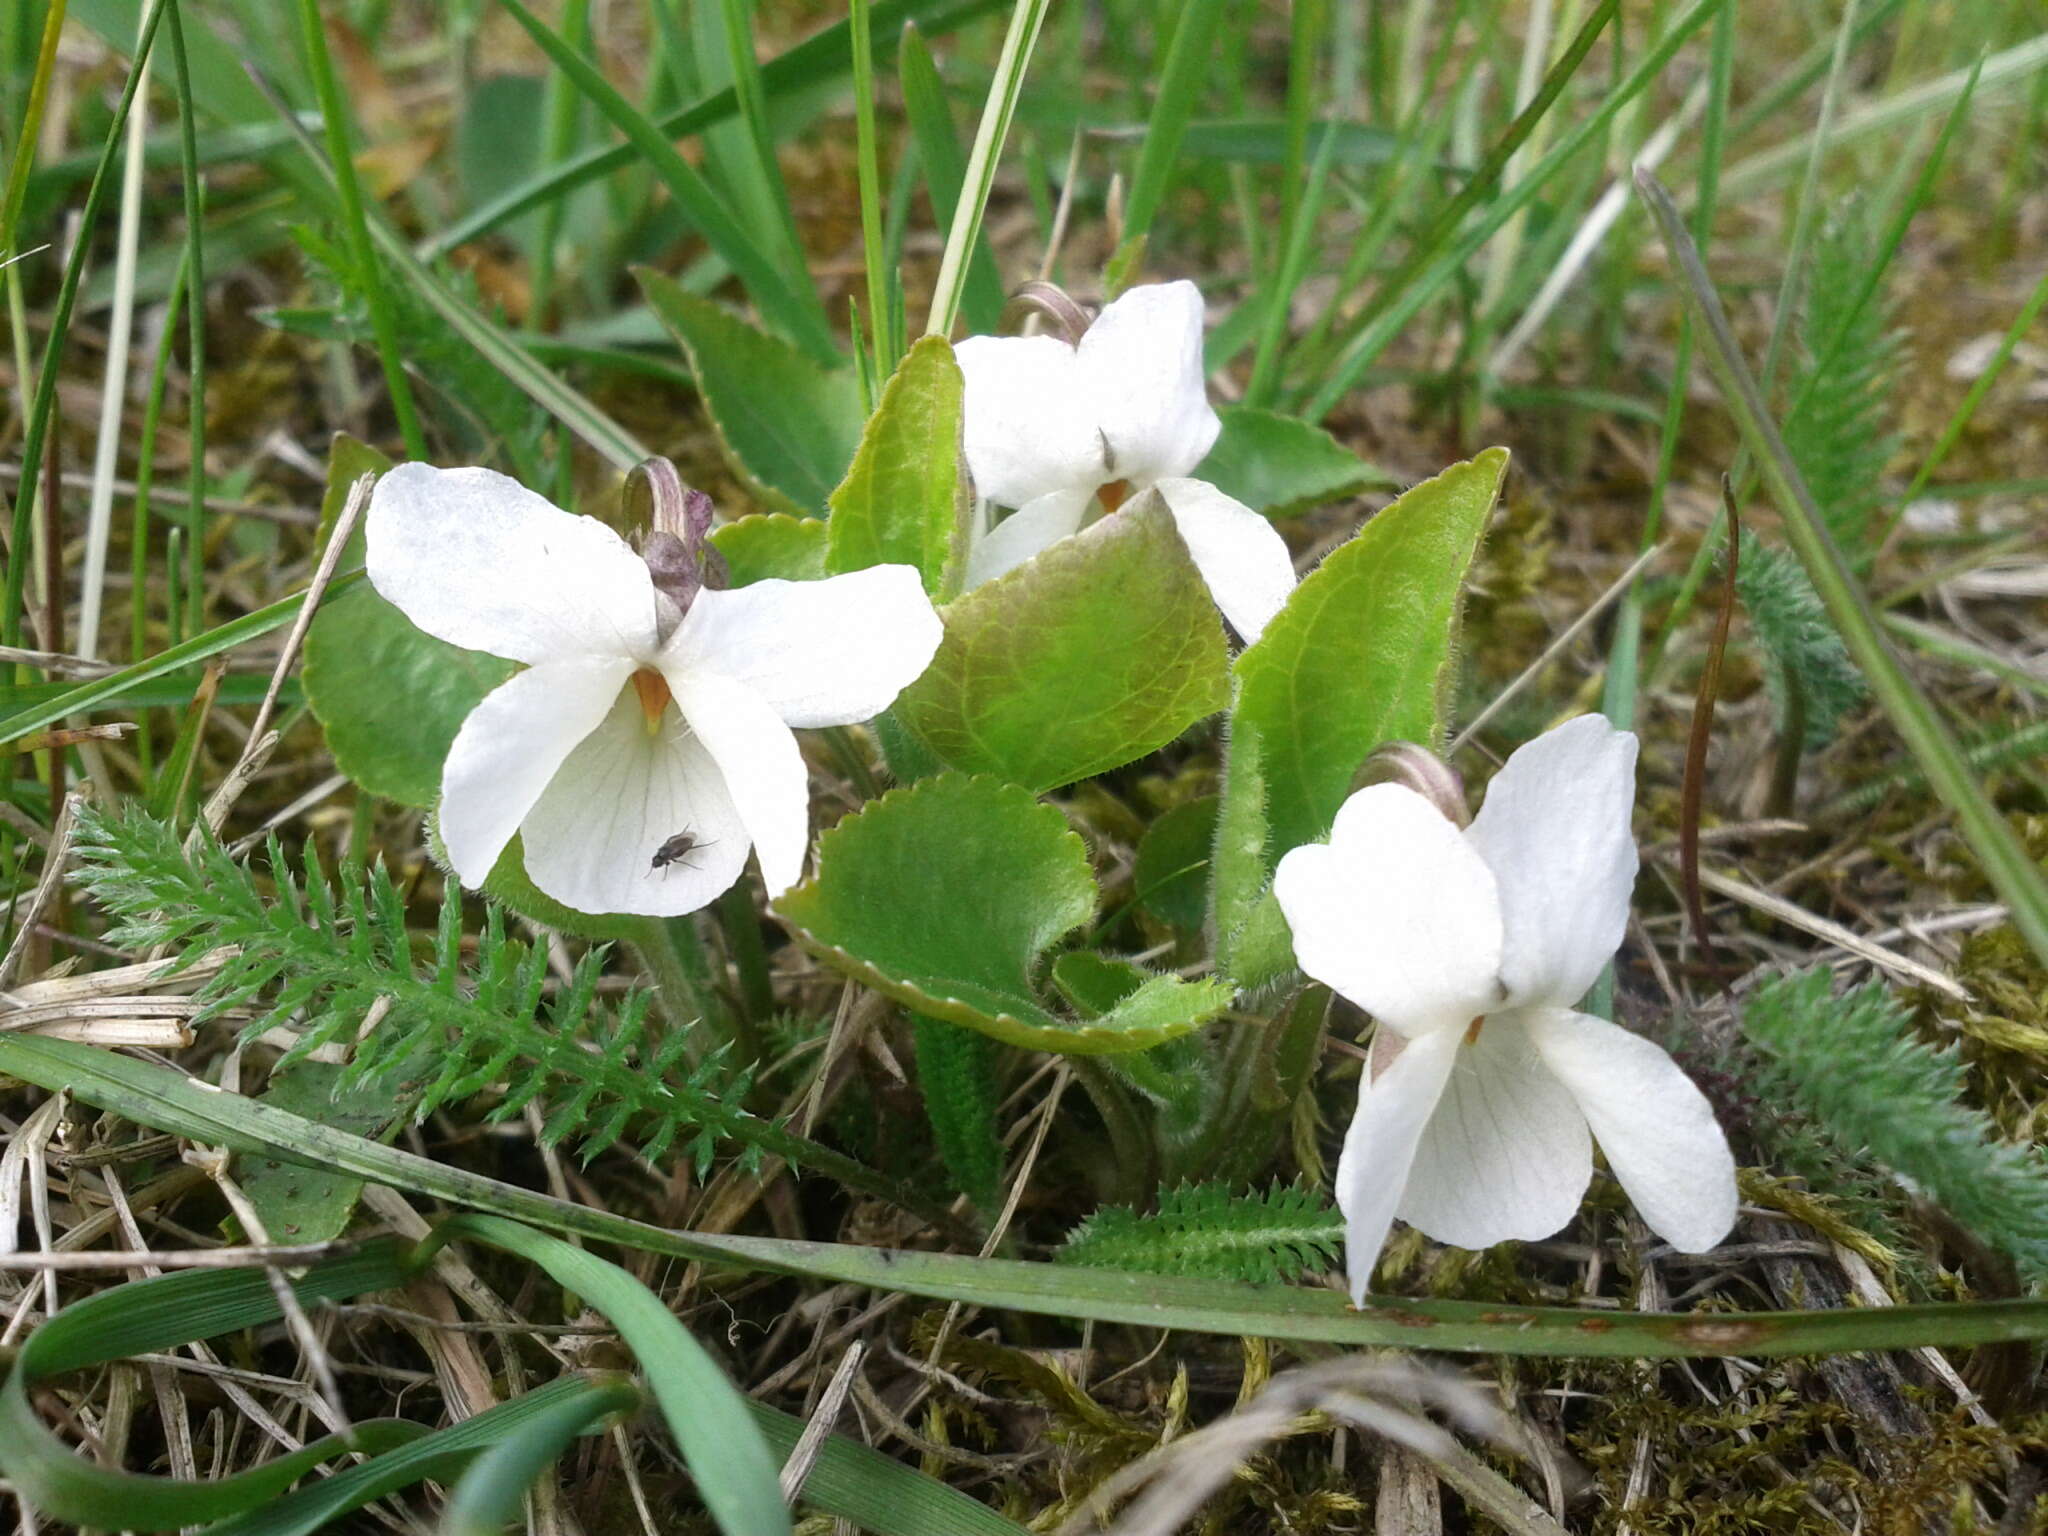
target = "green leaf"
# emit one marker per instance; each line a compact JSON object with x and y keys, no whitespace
{"x":509,"y":884}
{"x":390,"y":696}
{"x":903,"y":501}
{"x":299,"y":1205}
{"x":945,"y":894}
{"x":1171,"y":875}
{"x":723,"y":1448}
{"x":1358,"y":657}
{"x":1099,"y":650}
{"x":348,"y":460}
{"x":772,"y":544}
{"x":1281,"y":465}
{"x":788,"y":426}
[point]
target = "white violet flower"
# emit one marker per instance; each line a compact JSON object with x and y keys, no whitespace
{"x":1052,"y":425}
{"x":1470,"y":947}
{"x":647,"y":744}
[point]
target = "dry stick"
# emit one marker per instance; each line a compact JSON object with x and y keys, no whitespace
{"x":1693,"y":792}
{"x":261,"y":740}
{"x":186,"y":1258}
{"x":1834,"y":933}
{"x":46,"y":887}
{"x":1572,"y":631}
{"x":812,"y":1441}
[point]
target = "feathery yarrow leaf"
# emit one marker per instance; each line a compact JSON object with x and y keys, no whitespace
{"x":1853,"y":1063}
{"x":1261,"y":1238}
{"x":318,"y":956}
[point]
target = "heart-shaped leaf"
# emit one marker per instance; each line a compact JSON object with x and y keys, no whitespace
{"x":788,"y":427}
{"x":1360,"y":656}
{"x":945,"y":894}
{"x":1101,"y":648}
{"x":901,"y":503}
{"x":1280,"y":465}
{"x":390,"y":696}
{"x":771,"y":544}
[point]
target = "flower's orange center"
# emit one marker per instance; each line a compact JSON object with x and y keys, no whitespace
{"x":1472,"y":1030}
{"x":1114,"y":494}
{"x":654,"y":695}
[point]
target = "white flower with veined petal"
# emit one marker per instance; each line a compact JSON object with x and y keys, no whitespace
{"x":635,"y":720}
{"x":1050,"y":425}
{"x":1471,"y":947}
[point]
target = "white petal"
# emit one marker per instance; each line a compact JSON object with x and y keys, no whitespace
{"x":510,"y":746}
{"x":1396,"y":912}
{"x":1393,"y":1111}
{"x":1656,"y":1127}
{"x":1029,"y":423}
{"x":1241,"y":556}
{"x":590,"y":841}
{"x":820,"y":652}
{"x":763,"y":768}
{"x":1507,"y":1155}
{"x":1026,"y":531}
{"x":1142,"y":360}
{"x":478,"y":560}
{"x":1555,"y":830}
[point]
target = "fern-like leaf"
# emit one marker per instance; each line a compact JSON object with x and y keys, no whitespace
{"x":1853,"y":1064}
{"x":321,"y":955}
{"x":1808,"y":668}
{"x":1262,"y":1238}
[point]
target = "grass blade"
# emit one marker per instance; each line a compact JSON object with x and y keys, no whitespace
{"x":795,"y":314}
{"x":2007,"y":865}
{"x":169,"y":1101}
{"x":1025,"y":21}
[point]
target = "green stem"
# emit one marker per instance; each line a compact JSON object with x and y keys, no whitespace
{"x":1136,"y":1172}
{"x":672,"y":955}
{"x":742,"y":926}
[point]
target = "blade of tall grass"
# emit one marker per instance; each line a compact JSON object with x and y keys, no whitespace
{"x":1427,"y":269}
{"x":1806,"y":211}
{"x":568,"y":406}
{"x":1695,"y":576}
{"x":194,"y":261}
{"x":99,"y":521}
{"x":816,"y":58}
{"x":1620,"y":688}
{"x":2012,"y":872}
{"x":559,"y":110}
{"x":90,"y":695}
{"x":945,"y":171}
{"x":794,"y":313}
{"x":759,"y":173}
{"x":1188,"y":58}
{"x":44,"y":404}
{"x":867,"y":156}
{"x":145,"y":469}
{"x":2006,"y":67}
{"x":355,"y":229}
{"x":1026,"y":18}
{"x":167,"y":1100}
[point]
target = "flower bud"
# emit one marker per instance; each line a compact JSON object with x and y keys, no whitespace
{"x":674,"y":527}
{"x":1419,"y":769}
{"x":1067,"y":317}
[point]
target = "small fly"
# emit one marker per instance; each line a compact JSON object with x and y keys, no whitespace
{"x":677,"y":850}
